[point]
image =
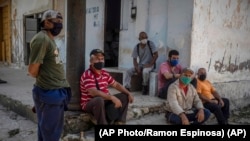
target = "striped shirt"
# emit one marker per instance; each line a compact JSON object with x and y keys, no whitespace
{"x":87,"y":81}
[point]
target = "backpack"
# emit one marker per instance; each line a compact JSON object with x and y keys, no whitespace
{"x":148,"y":42}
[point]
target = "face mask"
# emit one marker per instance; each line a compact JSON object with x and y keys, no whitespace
{"x":202,"y":77}
{"x":99,"y":65}
{"x":144,"y":41}
{"x":174,"y":62}
{"x":56,"y":29}
{"x":185,"y":80}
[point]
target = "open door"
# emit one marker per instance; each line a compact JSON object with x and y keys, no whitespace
{"x":111,"y":34}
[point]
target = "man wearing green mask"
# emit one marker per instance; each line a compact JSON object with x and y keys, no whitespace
{"x":183,"y":105}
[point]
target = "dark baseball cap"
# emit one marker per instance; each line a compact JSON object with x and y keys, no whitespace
{"x":96,"y":51}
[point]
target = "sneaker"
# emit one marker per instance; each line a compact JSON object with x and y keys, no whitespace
{"x":33,"y":109}
{"x":2,"y":81}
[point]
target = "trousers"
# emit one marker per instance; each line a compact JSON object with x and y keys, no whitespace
{"x":50,"y":106}
{"x":97,"y":107}
{"x":131,"y":71}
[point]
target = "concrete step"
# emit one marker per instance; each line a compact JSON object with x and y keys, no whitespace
{"x":76,"y":121}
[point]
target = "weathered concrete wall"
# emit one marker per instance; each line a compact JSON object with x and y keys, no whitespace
{"x":94,"y":26}
{"x":22,"y":8}
{"x":220,"y":43}
{"x":167,"y":22}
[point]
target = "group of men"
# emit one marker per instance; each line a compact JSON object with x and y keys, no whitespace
{"x":190,"y":103}
{"x":51,"y":91}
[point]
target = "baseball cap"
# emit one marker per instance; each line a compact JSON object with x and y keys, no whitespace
{"x":95,"y":51}
{"x":51,"y":14}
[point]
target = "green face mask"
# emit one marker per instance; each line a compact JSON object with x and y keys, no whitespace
{"x":185,"y":80}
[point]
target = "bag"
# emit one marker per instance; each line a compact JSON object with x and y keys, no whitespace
{"x":164,"y":90}
{"x":148,"y":42}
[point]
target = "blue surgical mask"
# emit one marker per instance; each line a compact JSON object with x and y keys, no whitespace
{"x":174,"y":62}
{"x":185,"y":80}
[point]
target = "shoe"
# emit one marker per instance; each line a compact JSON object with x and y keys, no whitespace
{"x":119,"y":123}
{"x":33,"y":109}
{"x":2,"y":81}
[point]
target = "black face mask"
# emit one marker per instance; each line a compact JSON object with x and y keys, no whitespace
{"x":56,"y":29}
{"x":202,"y":77}
{"x":99,"y":65}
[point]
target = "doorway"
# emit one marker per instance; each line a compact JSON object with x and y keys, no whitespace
{"x":111,"y":32}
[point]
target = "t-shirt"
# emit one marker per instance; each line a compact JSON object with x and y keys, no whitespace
{"x":43,"y":50}
{"x":165,"y":67}
{"x":145,"y":55}
{"x":87,"y":81}
{"x":205,"y":88}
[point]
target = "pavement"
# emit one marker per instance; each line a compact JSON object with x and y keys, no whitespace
{"x":16,"y":94}
{"x":16,"y":99}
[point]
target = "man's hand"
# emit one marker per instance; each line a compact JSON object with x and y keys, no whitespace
{"x":200,"y":115}
{"x":138,"y":69}
{"x":130,"y":98}
{"x":221,"y":103}
{"x":184,"y":119}
{"x":147,"y":66}
{"x":116,"y":101}
{"x":214,"y":101}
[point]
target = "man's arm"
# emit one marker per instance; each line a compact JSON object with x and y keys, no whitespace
{"x":115,"y":100}
{"x":152,"y":62}
{"x":95,"y":92}
{"x":216,"y":95}
{"x":120,"y":88}
{"x":136,"y":65}
{"x":218,"y":98}
{"x":33,"y":69}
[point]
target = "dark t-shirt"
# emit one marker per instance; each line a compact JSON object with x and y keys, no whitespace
{"x":51,"y":72}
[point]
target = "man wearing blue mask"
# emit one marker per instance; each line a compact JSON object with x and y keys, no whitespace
{"x":169,"y":70}
{"x":183,"y":105}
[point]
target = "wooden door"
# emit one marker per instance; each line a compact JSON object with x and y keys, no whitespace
{"x":5,"y":37}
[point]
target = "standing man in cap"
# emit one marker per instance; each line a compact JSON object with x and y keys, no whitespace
{"x":51,"y":91}
{"x":106,"y":108}
{"x":183,"y":105}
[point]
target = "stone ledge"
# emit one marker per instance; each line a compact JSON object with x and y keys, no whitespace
{"x":75,"y":122}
